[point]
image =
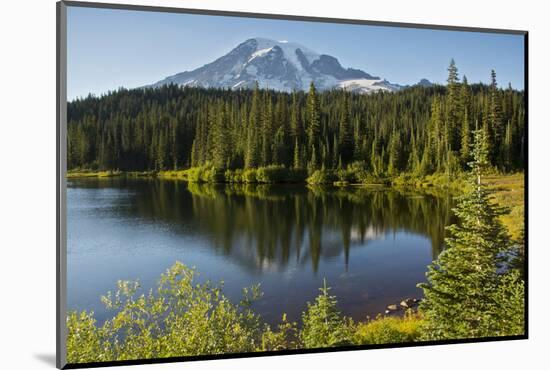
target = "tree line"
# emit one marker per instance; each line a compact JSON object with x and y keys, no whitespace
{"x":419,"y":130}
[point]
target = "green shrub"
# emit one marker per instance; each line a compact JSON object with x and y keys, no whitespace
{"x":322,"y":177}
{"x":213,"y":175}
{"x":510,"y":316}
{"x":249,"y":176}
{"x":194,"y":174}
{"x":234,"y":176}
{"x":265,"y":175}
{"x":179,"y":318}
{"x":272,"y":174}
{"x":359,"y":169}
{"x":323,"y":325}
{"x":85,"y":341}
{"x":182,"y":318}
{"x":389,"y":330}
{"x":285,"y":337}
{"x":346,"y":176}
{"x":208,"y":174}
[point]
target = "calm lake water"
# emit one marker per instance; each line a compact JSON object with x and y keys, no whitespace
{"x":371,"y":245}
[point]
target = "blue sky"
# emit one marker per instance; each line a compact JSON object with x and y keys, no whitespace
{"x":108,"y":48}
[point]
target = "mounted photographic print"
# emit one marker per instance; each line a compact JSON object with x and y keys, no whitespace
{"x":235,"y":184}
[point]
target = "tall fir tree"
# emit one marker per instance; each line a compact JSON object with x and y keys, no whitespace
{"x":495,"y":118}
{"x":465,"y":138}
{"x":267,"y":132}
{"x":220,"y":148}
{"x":345,"y":131}
{"x":252,"y":155}
{"x":466,"y":279}
{"x":313,"y":125}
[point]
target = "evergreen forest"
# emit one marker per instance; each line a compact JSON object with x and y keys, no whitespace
{"x":418,"y":130}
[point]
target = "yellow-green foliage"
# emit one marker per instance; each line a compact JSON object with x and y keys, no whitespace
{"x":455,"y":182}
{"x":234,"y":176}
{"x":285,"y":337}
{"x":323,"y":325}
{"x":183,"y":318}
{"x":249,"y":176}
{"x":320,"y":177}
{"x":355,"y":173}
{"x":389,"y":329}
{"x":85,"y":173}
{"x":263,"y":175}
{"x":180,"y":318}
{"x":104,"y":174}
{"x":175,"y":174}
{"x":509,"y":192}
{"x":85,"y":342}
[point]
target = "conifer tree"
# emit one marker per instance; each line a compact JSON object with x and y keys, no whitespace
{"x":160,"y":151}
{"x":297,"y":159}
{"x":507,"y":148}
{"x":323,"y":324}
{"x":252,"y":155}
{"x":345,"y":132}
{"x":495,"y":117}
{"x":220,"y":148}
{"x":452,"y":111}
{"x":465,"y":280}
{"x":174,"y":143}
{"x":436,"y":134}
{"x":313,"y":163}
{"x":374,"y":158}
{"x":393,"y":153}
{"x":465,"y":138}
{"x":295,"y":123}
{"x":313,"y":123}
{"x":194,"y":154}
{"x":452,"y":78}
{"x":465,"y":128}
{"x":359,"y":143}
{"x":414,"y":161}
{"x":465,"y":95}
{"x":267,"y":130}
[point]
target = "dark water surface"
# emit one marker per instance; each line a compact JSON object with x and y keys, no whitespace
{"x":372,"y":245}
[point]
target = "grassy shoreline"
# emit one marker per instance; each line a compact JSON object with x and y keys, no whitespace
{"x":78,"y":174}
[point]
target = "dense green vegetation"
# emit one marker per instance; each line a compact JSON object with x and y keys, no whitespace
{"x":184,"y":318}
{"x":420,"y":135}
{"x":473,"y":290}
{"x":348,"y":137}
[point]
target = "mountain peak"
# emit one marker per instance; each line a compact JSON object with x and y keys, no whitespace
{"x":424,"y":82}
{"x":280,"y":65}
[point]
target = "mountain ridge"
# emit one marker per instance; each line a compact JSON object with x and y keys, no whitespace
{"x":282,"y":66}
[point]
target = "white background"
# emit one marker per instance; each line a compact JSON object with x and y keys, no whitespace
{"x":27,"y":186}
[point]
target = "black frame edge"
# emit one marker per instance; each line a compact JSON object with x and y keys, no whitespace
{"x":289,"y":352}
{"x":526,"y":184}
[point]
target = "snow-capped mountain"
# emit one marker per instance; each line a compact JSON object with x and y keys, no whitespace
{"x":279,"y":65}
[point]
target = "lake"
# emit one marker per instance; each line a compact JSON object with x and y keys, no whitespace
{"x":372,"y":245}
